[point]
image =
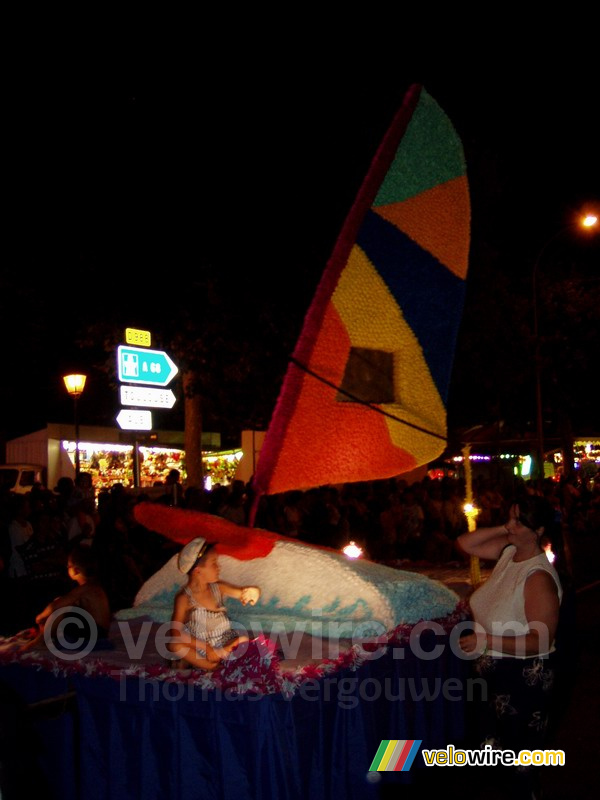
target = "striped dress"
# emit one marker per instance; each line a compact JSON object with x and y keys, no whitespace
{"x":207,"y":625}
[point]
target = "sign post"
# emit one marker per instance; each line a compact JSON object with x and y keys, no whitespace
{"x":149,"y":371}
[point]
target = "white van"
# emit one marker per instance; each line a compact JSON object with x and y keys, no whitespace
{"x":20,"y":478}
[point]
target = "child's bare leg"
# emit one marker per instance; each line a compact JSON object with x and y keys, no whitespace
{"x":188,"y":655}
{"x":199,"y":662}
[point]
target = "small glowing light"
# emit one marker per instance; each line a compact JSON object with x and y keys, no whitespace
{"x":352,"y":550}
{"x":589,"y":221}
{"x":526,"y":468}
{"x":471,"y":510}
{"x":549,"y":554}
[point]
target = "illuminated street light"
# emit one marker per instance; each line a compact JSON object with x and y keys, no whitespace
{"x":75,"y":385}
{"x":587,"y":221}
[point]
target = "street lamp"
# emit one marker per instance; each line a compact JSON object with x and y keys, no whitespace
{"x":586,"y":222}
{"x":75,"y":385}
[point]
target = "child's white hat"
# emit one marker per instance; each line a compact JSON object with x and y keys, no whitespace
{"x":191,"y":553}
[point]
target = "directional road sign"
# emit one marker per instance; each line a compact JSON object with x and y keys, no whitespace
{"x":147,"y":397}
{"x":130,"y":419}
{"x":140,"y":365}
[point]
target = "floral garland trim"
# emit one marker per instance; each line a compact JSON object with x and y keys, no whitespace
{"x":258,"y":671}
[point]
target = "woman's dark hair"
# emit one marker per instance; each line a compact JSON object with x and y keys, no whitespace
{"x":536,"y":512}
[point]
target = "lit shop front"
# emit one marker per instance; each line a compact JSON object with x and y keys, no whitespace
{"x":113,"y":463}
{"x":108,"y":454}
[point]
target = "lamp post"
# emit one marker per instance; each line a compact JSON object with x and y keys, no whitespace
{"x":75,"y":385}
{"x":586,"y":222}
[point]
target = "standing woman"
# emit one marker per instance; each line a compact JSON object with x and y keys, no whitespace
{"x":516,"y":614}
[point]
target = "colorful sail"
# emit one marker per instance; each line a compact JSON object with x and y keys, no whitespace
{"x":364,"y":396}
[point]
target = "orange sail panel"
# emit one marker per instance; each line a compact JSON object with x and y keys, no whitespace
{"x":364,"y":396}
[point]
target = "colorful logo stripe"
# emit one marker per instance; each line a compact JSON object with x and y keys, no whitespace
{"x":395,"y":755}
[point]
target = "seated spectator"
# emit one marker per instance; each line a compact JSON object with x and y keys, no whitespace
{"x":88,"y":595}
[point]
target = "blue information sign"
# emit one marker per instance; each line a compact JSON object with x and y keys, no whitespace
{"x":140,"y":365}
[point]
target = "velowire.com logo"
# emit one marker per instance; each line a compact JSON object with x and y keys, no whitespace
{"x":395,"y":755}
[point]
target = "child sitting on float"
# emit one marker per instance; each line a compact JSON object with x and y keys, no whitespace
{"x":204,"y":633}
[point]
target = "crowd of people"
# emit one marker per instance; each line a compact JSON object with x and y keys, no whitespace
{"x":392,"y":521}
{"x":39,"y":530}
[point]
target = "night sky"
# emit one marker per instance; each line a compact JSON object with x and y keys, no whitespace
{"x":122,"y":183}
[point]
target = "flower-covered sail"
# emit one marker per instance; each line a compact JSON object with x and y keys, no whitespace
{"x":364,"y":396}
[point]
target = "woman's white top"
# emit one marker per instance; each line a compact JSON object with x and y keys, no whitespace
{"x":499,"y":604}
